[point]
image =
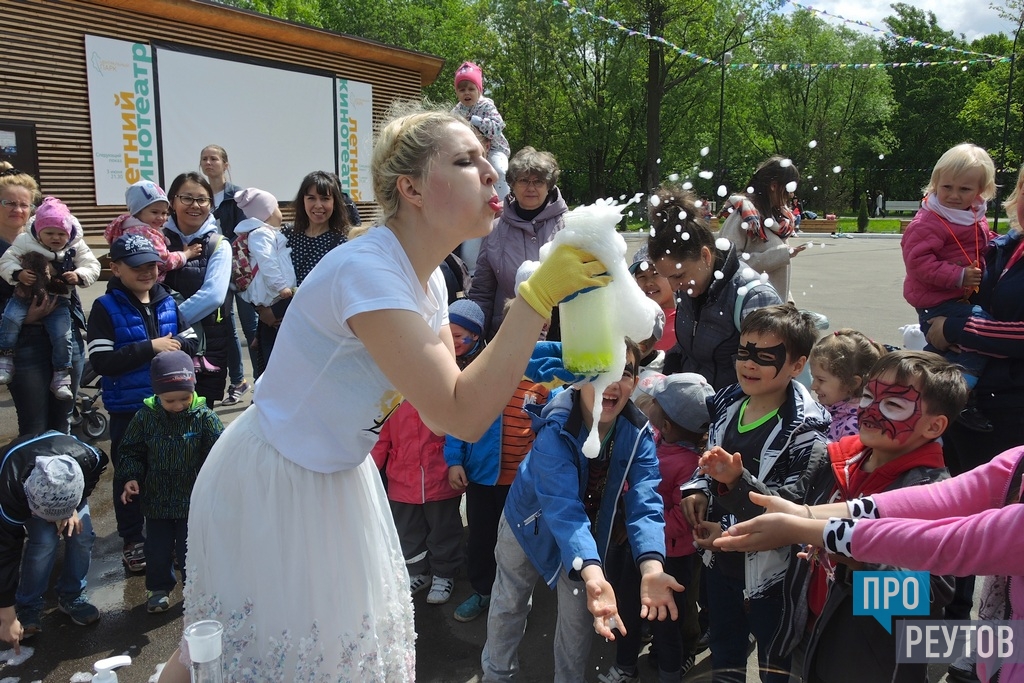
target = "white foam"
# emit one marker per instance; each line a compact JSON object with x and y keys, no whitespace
{"x":837,"y":169}
{"x":673,"y":177}
{"x":791,"y":186}
{"x":722,"y":244}
{"x":12,"y":659}
{"x":785,"y":163}
{"x":705,"y":151}
{"x":577,"y":563}
{"x":687,"y":185}
{"x":722,"y":191}
{"x":706,"y":175}
{"x":812,"y":144}
{"x":632,"y":314}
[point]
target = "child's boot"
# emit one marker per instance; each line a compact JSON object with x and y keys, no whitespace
{"x":6,"y":367}
{"x":972,"y":418}
{"x":61,"y":385}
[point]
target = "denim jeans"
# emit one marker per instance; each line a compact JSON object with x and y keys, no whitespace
{"x":165,"y":540}
{"x":38,"y":409}
{"x":57,"y":325}
{"x":732,"y":620}
{"x":973,"y":363}
{"x":128,"y":515}
{"x":511,"y":599}
{"x":40,"y":553}
{"x":247,"y":317}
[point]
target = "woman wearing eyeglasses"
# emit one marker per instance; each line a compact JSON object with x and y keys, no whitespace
{"x":534,"y":212}
{"x":203,"y":280}
{"x":38,"y":409}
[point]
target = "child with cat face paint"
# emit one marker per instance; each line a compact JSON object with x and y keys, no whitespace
{"x":763,"y":430}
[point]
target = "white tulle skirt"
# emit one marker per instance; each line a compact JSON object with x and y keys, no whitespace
{"x":304,"y":569}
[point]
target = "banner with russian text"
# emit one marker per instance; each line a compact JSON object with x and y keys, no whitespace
{"x":355,"y":138}
{"x":122,"y":115}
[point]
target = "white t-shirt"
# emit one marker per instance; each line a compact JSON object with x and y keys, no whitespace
{"x":322,"y":400}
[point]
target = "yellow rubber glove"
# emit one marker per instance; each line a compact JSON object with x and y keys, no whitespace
{"x":565,"y":271}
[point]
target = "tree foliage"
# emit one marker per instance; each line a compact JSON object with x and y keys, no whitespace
{"x":622,"y":113}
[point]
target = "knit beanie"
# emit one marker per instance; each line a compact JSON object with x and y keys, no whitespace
{"x":467,"y":315}
{"x":255,"y":203}
{"x":53,"y":213}
{"x":143,"y":193}
{"x":472,"y":73}
{"x":172,"y":371}
{"x":54,"y":488}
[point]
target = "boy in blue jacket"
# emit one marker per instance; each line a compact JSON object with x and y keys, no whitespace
{"x":560,"y":517}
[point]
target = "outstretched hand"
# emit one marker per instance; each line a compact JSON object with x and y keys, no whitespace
{"x":601,"y":603}
{"x":657,"y":592}
{"x":722,"y":466}
{"x":771,"y":530}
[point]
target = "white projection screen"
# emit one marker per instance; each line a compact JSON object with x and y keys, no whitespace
{"x":276,"y":122}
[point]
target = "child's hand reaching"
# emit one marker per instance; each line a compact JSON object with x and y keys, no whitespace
{"x":70,"y":277}
{"x":131,"y":489}
{"x":26,"y":277}
{"x":285,"y":293}
{"x":193,"y":251}
{"x":722,"y":466}
{"x":601,"y":602}
{"x":705,"y":533}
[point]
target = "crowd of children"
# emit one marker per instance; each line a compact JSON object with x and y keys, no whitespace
{"x":676,"y":498}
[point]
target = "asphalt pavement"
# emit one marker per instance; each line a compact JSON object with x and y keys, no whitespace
{"x":855,"y":282}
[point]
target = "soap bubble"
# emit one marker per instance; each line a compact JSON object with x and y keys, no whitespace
{"x":769,"y":222}
{"x":881,"y":156}
{"x":689,"y":292}
{"x":705,"y":151}
{"x":653,"y":231}
{"x":837,"y":169}
{"x":815,"y":188}
{"x":719,"y":275}
{"x":706,"y":175}
{"x":722,"y":244}
{"x":687,"y":185}
{"x":722,"y":191}
{"x":741,"y":291}
{"x":786,"y":163}
{"x":658,"y":161}
{"x":698,"y":203}
{"x":745,"y":256}
{"x":685,"y":235}
{"x":750,"y":190}
{"x":679,"y":228}
{"x":812,"y":144}
{"x":655,"y":200}
{"x":577,"y":563}
{"x":791,"y":186}
{"x":763,"y":277}
{"x":674,"y":177}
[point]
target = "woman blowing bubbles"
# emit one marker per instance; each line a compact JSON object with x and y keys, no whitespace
{"x":290,"y":479}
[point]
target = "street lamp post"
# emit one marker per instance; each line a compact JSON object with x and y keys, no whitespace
{"x":1006,"y":119}
{"x":738,"y":23}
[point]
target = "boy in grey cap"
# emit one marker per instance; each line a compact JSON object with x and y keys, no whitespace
{"x":45,"y":480}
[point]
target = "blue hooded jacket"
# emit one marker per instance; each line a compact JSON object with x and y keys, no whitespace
{"x":545,"y":509}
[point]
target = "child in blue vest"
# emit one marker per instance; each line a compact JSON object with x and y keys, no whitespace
{"x":135,"y":320}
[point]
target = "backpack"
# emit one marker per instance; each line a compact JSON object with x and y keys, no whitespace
{"x":243,"y":269}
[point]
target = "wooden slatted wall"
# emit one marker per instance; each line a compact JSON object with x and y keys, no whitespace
{"x":43,"y":73}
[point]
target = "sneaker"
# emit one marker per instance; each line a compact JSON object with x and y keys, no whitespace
{"x":619,"y":675}
{"x":6,"y":368}
{"x":31,"y":620}
{"x":81,"y":611}
{"x":134,"y":557}
{"x":703,"y":643}
{"x":157,"y":601}
{"x":440,"y":590}
{"x":60,"y":385}
{"x":235,"y":393}
{"x":474,"y":606}
{"x":418,"y":582}
{"x":963,"y":670}
{"x":687,"y":665}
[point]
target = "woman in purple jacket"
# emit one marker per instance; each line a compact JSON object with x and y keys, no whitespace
{"x":534,"y":212}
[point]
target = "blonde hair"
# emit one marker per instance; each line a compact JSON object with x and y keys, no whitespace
{"x":849,"y":355}
{"x":965,"y":158}
{"x":1010,"y":205}
{"x":23,"y":180}
{"x":405,"y":145}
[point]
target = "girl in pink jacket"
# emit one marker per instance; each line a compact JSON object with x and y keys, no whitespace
{"x":943,"y":250}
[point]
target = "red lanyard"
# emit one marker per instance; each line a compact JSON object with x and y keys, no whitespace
{"x":977,"y":241}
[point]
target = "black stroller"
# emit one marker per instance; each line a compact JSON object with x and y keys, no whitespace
{"x":87,"y":417}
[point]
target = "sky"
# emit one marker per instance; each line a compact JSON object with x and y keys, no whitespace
{"x":973,"y":18}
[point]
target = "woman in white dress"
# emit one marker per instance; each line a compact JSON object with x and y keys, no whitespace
{"x":291,"y":541}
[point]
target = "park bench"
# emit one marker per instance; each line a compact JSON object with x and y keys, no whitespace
{"x":892,"y":206}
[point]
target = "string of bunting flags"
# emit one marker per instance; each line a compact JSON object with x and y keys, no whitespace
{"x":790,"y":66}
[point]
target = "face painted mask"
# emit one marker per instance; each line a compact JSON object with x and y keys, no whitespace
{"x":769,"y":357}
{"x":893,"y":409}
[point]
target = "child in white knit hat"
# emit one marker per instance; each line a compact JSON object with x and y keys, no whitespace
{"x":261,"y":252}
